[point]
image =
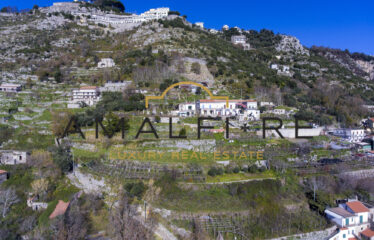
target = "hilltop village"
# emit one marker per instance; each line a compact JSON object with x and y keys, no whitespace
{"x":117,"y":125}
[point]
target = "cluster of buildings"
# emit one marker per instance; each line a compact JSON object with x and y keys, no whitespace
{"x":281,"y":69}
{"x":243,"y":109}
{"x":354,"y":220}
{"x":116,"y":19}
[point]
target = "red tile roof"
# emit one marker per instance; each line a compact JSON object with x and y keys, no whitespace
{"x":60,"y":209}
{"x":368,"y":233}
{"x":352,"y":238}
{"x":357,"y":207}
{"x":2,"y":171}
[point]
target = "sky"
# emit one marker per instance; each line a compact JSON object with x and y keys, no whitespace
{"x":331,"y":23}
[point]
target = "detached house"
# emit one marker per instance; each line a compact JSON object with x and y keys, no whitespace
{"x":10,"y":157}
{"x":352,"y":218}
{"x":88,"y":95}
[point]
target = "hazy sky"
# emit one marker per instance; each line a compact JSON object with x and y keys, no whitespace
{"x":337,"y":24}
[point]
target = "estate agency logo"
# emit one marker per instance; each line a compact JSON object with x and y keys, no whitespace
{"x":200,"y":120}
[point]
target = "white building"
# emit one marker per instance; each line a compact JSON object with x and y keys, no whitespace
{"x":213,"y":31}
{"x":10,"y":157}
{"x":36,"y":206}
{"x":187,"y":109}
{"x":274,"y":66}
{"x":89,"y":95}
{"x":106,"y":63}
{"x":215,"y":108}
{"x":200,"y":25}
{"x":352,"y":218}
{"x":155,"y":14}
{"x":115,"y":19}
{"x":115,"y":87}
{"x":267,"y":104}
{"x":350,"y":135}
{"x":240,"y":40}
{"x":7,"y":87}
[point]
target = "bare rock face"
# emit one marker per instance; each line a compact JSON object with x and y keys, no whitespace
{"x":367,"y":67}
{"x":291,"y":44}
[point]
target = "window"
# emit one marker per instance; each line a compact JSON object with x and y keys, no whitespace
{"x":344,"y":236}
{"x":361,"y":219}
{"x":347,"y":221}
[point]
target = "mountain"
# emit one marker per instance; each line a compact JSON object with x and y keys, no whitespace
{"x":69,"y":39}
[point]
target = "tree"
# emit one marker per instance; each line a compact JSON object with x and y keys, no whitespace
{"x":60,"y":121}
{"x":196,"y":68}
{"x":40,"y":186}
{"x":111,"y":123}
{"x":110,"y":4}
{"x":123,"y":224}
{"x":174,"y":13}
{"x":63,"y":159}
{"x":73,"y":224}
{"x":8,"y":197}
{"x":183,"y":132}
{"x":35,"y":7}
{"x":58,"y":76}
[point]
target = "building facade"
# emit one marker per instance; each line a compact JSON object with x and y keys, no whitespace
{"x":10,"y":157}
{"x":350,"y":135}
{"x":7,"y":87}
{"x":352,"y":219}
{"x":89,"y":95}
{"x":106,"y":63}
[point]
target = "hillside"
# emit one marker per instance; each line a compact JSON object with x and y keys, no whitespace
{"x":46,"y":44}
{"x":85,"y":170}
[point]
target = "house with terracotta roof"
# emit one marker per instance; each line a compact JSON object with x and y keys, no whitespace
{"x":3,"y":176}
{"x":351,"y":217}
{"x":367,"y":234}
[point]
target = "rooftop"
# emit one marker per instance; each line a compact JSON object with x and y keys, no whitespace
{"x":357,"y":207}
{"x":2,"y":171}
{"x":341,"y":212}
{"x":60,"y":209}
{"x":368,"y":233}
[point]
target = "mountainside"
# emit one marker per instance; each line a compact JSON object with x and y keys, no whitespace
{"x":64,"y":41}
{"x":83,"y":157}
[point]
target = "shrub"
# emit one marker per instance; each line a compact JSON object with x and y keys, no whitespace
{"x":183,"y":132}
{"x":135,"y":189}
{"x":215,"y":171}
{"x":253,"y":169}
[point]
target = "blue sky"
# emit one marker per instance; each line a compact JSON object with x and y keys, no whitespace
{"x":338,"y":24}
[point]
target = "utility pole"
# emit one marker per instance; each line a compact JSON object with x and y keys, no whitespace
{"x":145,"y":211}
